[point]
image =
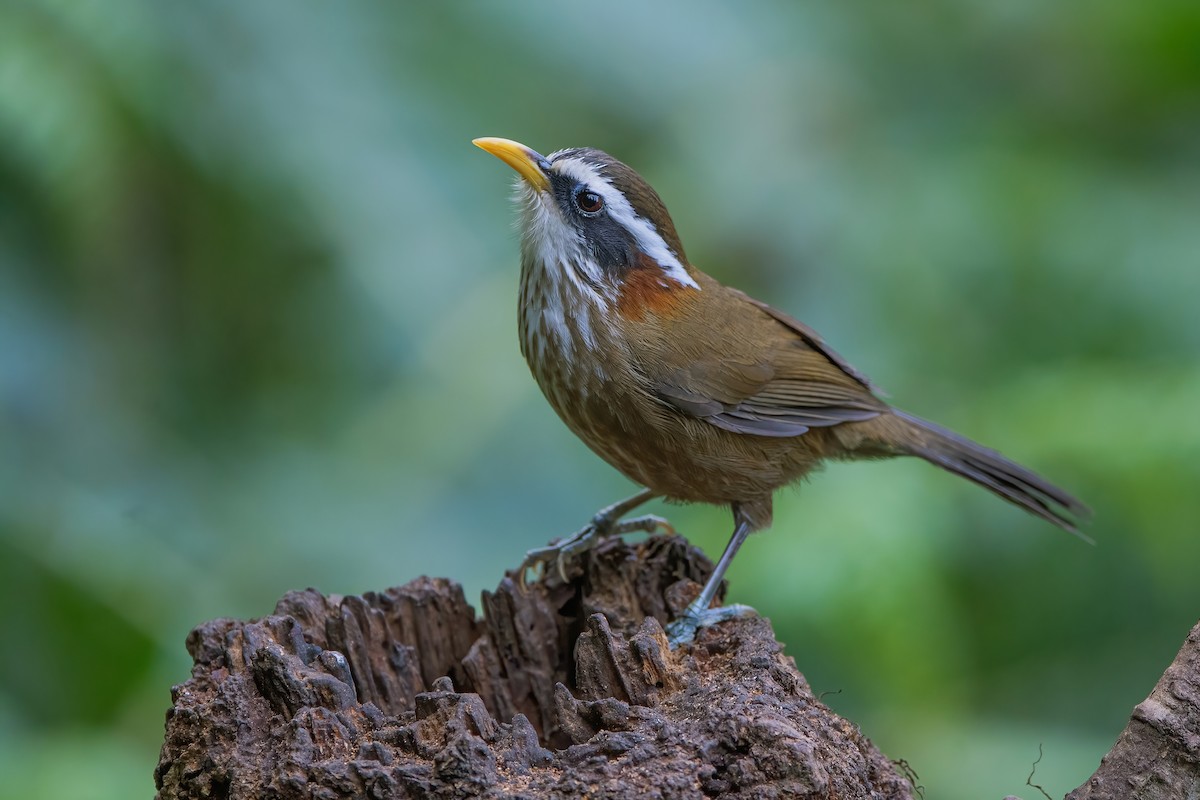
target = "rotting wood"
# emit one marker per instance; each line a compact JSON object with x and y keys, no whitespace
{"x":564,"y":691}
{"x":567,"y":690}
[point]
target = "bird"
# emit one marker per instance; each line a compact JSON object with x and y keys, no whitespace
{"x":691,"y":388}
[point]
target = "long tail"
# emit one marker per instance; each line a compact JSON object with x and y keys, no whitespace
{"x":995,"y":473}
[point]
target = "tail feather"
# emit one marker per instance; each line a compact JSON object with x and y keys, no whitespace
{"x":989,"y":469}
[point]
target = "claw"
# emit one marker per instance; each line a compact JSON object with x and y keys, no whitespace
{"x":662,"y":525}
{"x":561,"y":551}
{"x":535,"y":561}
{"x":645,"y":524}
{"x":683,"y":630}
{"x":558,"y":551}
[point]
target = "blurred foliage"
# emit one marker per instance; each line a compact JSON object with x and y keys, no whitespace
{"x":257,"y":332}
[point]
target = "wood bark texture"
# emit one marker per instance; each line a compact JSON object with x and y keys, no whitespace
{"x":1157,"y":756}
{"x":566,"y":690}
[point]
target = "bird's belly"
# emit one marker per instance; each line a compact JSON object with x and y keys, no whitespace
{"x":656,"y":446}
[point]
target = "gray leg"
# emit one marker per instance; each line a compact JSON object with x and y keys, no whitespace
{"x":698,"y":614}
{"x":605,"y":523}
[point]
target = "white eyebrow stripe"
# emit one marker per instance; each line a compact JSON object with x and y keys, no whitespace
{"x":644,"y":233}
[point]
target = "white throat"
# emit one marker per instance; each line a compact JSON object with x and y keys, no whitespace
{"x":563,"y":291}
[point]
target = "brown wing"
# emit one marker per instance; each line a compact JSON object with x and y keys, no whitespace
{"x":813,"y":339}
{"x":759,"y":372}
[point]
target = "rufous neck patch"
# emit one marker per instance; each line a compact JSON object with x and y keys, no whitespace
{"x":646,"y":289}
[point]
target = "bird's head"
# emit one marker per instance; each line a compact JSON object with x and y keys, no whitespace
{"x":588,"y":212}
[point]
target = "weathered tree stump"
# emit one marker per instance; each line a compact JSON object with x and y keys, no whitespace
{"x":567,"y":690}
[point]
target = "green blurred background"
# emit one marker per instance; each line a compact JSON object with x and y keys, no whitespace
{"x":257,"y":333}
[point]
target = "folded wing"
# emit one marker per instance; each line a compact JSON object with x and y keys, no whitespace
{"x":769,"y":375}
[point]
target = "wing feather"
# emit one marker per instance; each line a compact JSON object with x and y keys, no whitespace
{"x":796,"y":384}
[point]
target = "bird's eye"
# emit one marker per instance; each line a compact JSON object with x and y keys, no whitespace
{"x":588,"y":202}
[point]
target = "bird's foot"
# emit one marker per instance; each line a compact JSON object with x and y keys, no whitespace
{"x":683,"y":630}
{"x":561,"y":551}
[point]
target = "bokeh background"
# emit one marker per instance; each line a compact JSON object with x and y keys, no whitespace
{"x":257,"y":333}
